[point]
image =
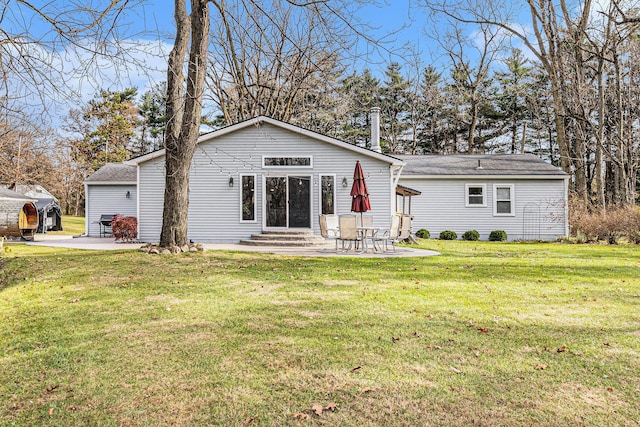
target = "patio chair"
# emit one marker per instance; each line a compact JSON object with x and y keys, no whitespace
{"x":329,"y":228}
{"x":389,"y":236}
{"x":405,"y":228}
{"x":348,"y":230}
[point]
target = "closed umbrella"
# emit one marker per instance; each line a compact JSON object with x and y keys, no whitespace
{"x":359,"y":192}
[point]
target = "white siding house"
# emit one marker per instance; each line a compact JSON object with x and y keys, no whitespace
{"x":108,"y":191}
{"x":520,"y":194}
{"x":265,"y":175}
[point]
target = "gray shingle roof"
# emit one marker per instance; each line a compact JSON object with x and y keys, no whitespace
{"x":5,"y":193}
{"x":113,"y":172}
{"x":478,"y":164}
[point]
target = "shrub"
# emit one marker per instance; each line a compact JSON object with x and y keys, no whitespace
{"x":124,"y":228}
{"x":498,"y":236}
{"x":591,"y":224}
{"x":471,"y":235}
{"x":448,"y":235}
{"x":423,"y":233}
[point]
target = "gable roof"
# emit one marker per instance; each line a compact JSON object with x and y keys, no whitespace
{"x":257,"y":121}
{"x":479,"y":165}
{"x":5,"y":193}
{"x":113,"y":173}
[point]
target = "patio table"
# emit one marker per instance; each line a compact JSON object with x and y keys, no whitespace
{"x":367,"y":233}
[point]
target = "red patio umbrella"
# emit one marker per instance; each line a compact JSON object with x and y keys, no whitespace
{"x":359,"y":191}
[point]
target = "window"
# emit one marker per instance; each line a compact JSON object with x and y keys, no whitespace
{"x":475,"y":195}
{"x":292,"y":162}
{"x":503,"y":200}
{"x":328,"y":194}
{"x":248,"y":189}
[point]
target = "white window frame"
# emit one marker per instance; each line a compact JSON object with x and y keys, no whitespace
{"x":255,"y":198}
{"x":484,"y":196}
{"x":512,"y":199}
{"x":264,"y":157}
{"x":335,"y":202}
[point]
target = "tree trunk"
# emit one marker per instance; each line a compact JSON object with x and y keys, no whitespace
{"x":183,"y":116}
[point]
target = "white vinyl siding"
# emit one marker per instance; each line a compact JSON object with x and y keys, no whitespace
{"x":442,"y":206}
{"x":108,"y":199}
{"x":214,"y":206}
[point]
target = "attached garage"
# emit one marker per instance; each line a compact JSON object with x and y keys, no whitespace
{"x":109,"y":191}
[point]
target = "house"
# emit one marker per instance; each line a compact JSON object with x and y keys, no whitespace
{"x":266,"y":175}
{"x":520,"y":194}
{"x":110,"y":190}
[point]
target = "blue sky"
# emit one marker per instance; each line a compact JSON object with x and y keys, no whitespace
{"x":403,"y":21}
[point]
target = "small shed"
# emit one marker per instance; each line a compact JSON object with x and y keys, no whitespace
{"x":18,"y":215}
{"x":109,"y":191}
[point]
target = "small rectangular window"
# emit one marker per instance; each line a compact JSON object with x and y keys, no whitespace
{"x":248,"y":198}
{"x":475,"y":195}
{"x":503,"y":200}
{"x":292,"y":162}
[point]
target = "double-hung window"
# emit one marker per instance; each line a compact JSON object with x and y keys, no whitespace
{"x":475,"y":195}
{"x":503,"y":200}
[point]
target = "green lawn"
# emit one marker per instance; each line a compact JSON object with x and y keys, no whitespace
{"x":71,"y":226}
{"x":486,"y":334}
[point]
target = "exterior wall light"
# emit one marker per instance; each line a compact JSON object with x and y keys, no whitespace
{"x":128,"y":195}
{"x":230,"y":181}
{"x":345,"y":183}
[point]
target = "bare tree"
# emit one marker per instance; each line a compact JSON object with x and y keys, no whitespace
{"x":35,"y":36}
{"x":185,"y":94}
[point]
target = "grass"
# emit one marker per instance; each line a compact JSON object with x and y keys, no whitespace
{"x":71,"y":226}
{"x":487,"y":334}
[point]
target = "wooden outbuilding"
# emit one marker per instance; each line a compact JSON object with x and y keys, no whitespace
{"x":18,"y":215}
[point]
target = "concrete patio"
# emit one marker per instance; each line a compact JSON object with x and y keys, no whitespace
{"x":109,"y":243}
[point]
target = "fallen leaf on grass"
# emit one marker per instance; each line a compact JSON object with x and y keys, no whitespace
{"x":607,"y":344}
{"x":394,"y":340}
{"x":51,"y":411}
{"x":455,"y":370}
{"x":301,"y":416}
{"x":317,"y":408}
{"x":249,"y":421}
{"x":331,"y":407}
{"x":356,"y":368}
{"x":562,"y":349}
{"x":540,"y":367}
{"x":483,"y":330}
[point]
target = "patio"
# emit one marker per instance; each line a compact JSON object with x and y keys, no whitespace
{"x":105,"y":244}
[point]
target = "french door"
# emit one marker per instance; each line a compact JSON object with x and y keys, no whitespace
{"x":287,"y":202}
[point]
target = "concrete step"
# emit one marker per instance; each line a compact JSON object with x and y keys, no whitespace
{"x":308,"y":237}
{"x":286,"y":238}
{"x":288,"y":243}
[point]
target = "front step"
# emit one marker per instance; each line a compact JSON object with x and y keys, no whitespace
{"x":285,"y":238}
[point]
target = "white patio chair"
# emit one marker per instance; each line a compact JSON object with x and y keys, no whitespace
{"x":329,"y":227}
{"x":348,"y":230}
{"x":389,"y":236}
